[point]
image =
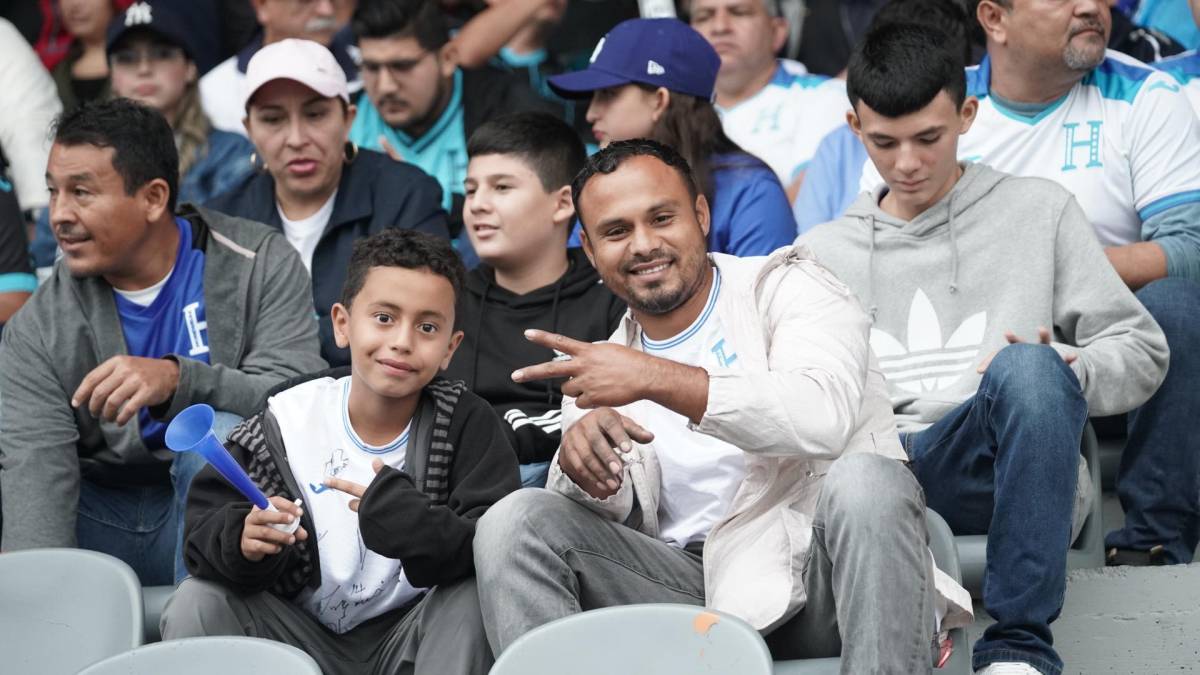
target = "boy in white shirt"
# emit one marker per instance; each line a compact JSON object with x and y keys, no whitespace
{"x":394,"y":466}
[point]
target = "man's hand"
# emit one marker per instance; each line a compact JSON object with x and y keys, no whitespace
{"x":121,"y":386}
{"x":602,"y":374}
{"x":1013,"y":339}
{"x":351,"y":488}
{"x":259,"y":539}
{"x":389,"y":150}
{"x":588,"y":454}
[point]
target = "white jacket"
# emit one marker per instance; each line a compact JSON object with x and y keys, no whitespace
{"x":809,"y":392}
{"x":28,"y":104}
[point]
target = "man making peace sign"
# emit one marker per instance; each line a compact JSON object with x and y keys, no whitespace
{"x":729,"y":443}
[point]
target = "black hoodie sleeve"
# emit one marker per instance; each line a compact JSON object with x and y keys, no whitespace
{"x":212,"y":549}
{"x":433,"y":542}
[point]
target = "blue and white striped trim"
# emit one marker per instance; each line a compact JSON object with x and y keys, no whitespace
{"x":400,"y":442}
{"x":1169,"y":202}
{"x":17,"y":282}
{"x":659,"y":345}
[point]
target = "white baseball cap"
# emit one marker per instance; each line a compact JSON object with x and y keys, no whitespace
{"x":304,"y":61}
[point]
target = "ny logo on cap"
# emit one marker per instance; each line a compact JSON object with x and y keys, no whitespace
{"x":138,"y":14}
{"x":653,"y":68}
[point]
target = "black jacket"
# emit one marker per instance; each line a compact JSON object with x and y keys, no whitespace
{"x":416,"y":516}
{"x":374,"y":193}
{"x":493,"y":320}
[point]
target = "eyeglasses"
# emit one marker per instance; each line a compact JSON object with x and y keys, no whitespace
{"x":396,"y":69}
{"x":131,"y":57}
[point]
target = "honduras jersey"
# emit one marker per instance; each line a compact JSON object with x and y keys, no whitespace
{"x":1185,"y":67}
{"x":1124,"y":140}
{"x":440,"y":152}
{"x":785,"y":121}
{"x":171,"y":323}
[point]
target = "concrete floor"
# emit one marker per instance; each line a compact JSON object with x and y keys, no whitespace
{"x":1126,"y":620}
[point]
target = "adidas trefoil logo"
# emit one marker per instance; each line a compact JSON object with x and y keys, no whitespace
{"x":927,"y":364}
{"x":652,"y":68}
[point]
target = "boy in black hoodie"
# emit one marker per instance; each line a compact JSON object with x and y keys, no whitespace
{"x":518,"y":213}
{"x":394,"y":466}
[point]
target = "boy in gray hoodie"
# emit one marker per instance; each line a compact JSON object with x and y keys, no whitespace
{"x":999,"y":325}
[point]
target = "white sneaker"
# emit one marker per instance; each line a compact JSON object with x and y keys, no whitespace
{"x":1009,"y":668}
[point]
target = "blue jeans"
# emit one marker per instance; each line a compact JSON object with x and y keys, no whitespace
{"x":1004,"y":463}
{"x":1158,"y":482}
{"x":534,"y":475}
{"x":143,"y":526}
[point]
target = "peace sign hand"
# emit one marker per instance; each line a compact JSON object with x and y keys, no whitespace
{"x":600,"y":375}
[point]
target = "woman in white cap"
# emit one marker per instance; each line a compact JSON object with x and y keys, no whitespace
{"x":654,"y":78}
{"x":311,"y":182}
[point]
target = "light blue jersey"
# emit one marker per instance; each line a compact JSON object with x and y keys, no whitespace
{"x":440,"y":152}
{"x":1124,"y":140}
{"x":785,"y":121}
{"x":1185,"y":67}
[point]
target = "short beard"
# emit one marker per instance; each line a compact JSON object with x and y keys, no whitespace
{"x":658,"y":304}
{"x":1082,"y":59}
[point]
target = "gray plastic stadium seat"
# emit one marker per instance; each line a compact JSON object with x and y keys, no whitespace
{"x":941,"y":544}
{"x":63,"y":609}
{"x":209,"y":655}
{"x":154,"y":600}
{"x":1086,"y":552}
{"x":659,"y":639}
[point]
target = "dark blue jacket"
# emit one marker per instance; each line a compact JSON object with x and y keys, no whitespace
{"x":374,"y":193}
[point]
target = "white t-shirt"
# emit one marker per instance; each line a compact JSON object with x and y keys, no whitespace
{"x":357,"y":584}
{"x":1124,"y":140}
{"x":222,"y":97}
{"x":305,"y":234}
{"x":146,"y":296}
{"x":700,"y":474}
{"x":785,"y":121}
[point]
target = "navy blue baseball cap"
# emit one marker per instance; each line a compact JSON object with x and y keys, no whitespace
{"x":656,"y":52}
{"x":154,"y":18}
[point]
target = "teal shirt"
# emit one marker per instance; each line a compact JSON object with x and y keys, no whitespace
{"x":440,"y":152}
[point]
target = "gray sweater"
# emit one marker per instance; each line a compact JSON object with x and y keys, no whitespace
{"x":997,"y":253}
{"x":261,"y":330}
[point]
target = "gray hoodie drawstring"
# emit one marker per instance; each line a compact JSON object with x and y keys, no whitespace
{"x":872,"y":308}
{"x":953,"y":247}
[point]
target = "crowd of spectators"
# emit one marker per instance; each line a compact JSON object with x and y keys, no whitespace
{"x":521,"y":308}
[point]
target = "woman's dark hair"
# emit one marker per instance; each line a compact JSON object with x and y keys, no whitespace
{"x":420,"y":19}
{"x":900,"y":68}
{"x":399,"y":247}
{"x":142,"y":141}
{"x":691,"y":126}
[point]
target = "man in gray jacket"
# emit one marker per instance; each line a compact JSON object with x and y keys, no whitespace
{"x":731,"y":445}
{"x":959,"y":265}
{"x":148,"y":313}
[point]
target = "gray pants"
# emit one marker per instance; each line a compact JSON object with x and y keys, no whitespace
{"x":440,"y":635}
{"x":540,"y":556}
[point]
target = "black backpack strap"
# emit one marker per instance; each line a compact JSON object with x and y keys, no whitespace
{"x":444,"y":395}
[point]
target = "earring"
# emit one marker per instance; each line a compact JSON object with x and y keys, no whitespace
{"x":351,"y":152}
{"x":257,"y":165}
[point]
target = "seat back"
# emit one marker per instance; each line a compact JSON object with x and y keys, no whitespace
{"x":659,"y":639}
{"x":208,"y":655}
{"x":63,"y":609}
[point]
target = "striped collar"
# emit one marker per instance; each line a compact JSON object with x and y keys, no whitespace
{"x":672,"y":342}
{"x":399,"y":442}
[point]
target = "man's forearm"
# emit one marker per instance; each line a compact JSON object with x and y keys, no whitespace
{"x":1139,"y":263}
{"x":677,"y":387}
